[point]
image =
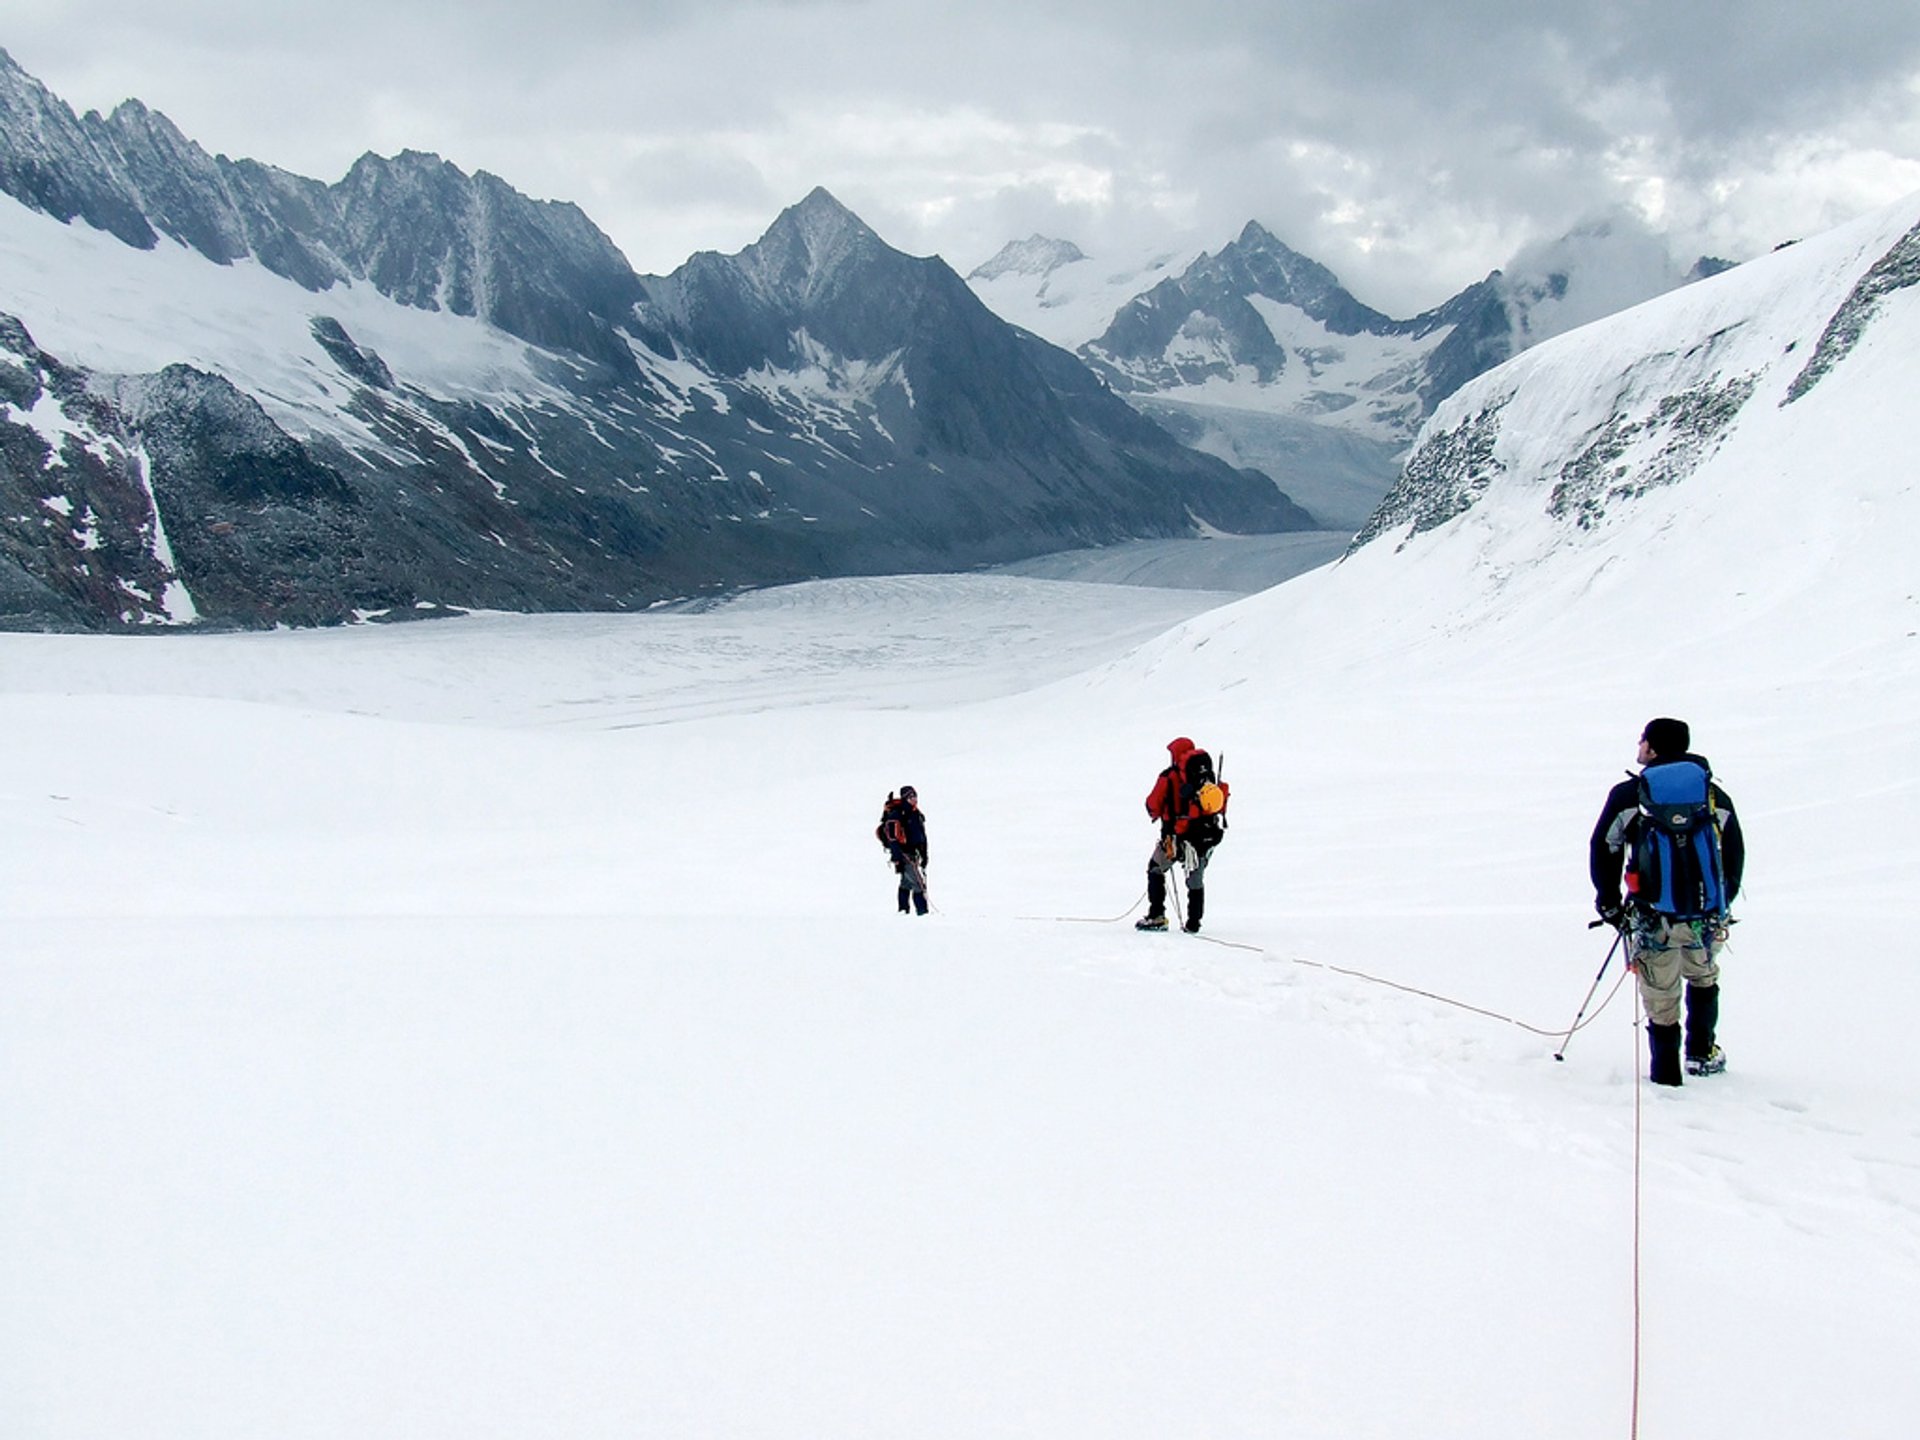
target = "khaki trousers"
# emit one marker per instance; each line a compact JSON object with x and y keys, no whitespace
{"x":1669,"y":955}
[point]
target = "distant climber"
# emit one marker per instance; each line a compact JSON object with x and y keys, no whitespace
{"x":1189,"y":801}
{"x":1673,"y":834}
{"x":903,"y":831}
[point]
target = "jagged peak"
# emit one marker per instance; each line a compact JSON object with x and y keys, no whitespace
{"x":1259,"y":262}
{"x":807,"y":244}
{"x":1260,"y":240}
{"x":821,"y":200}
{"x":1257,"y":234}
{"x":17,"y":81}
{"x":822,"y":222}
{"x":407,"y":162}
{"x":133,"y":116}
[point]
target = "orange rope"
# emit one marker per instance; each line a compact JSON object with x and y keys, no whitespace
{"x":1634,"y":1429}
{"x":1357,"y":974}
{"x":1638,"y":1129}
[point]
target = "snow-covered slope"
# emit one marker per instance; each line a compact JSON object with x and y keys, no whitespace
{"x":1061,"y":294}
{"x":1731,"y":386}
{"x":1597,"y":269}
{"x":502,"y":1024}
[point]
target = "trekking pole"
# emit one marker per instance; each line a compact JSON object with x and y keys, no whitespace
{"x":1618,"y":935}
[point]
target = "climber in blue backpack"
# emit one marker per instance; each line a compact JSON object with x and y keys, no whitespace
{"x":1671,"y":833}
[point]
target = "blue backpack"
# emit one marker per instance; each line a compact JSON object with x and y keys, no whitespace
{"x":1676,"y":854}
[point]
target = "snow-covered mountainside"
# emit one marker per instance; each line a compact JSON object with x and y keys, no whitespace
{"x":1259,"y":355}
{"x":1732,"y":384}
{"x":238,"y":395}
{"x":1061,"y":294}
{"x":1260,"y":327}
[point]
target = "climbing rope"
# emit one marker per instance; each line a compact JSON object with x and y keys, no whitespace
{"x":1091,"y":919}
{"x":1580,"y":1023}
{"x":1634,"y":1426}
{"x":1351,"y":974}
{"x":1459,"y":1004}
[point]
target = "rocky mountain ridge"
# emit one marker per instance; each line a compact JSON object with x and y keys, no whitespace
{"x":464,"y":397}
{"x":414,"y":226}
{"x":1259,"y":354}
{"x":1258,"y":325}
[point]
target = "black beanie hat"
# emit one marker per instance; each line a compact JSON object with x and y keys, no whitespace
{"x":1670,"y":739}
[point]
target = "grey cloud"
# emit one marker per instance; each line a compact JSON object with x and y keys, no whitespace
{"x":1412,"y":147}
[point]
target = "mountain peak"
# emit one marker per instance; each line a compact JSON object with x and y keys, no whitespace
{"x":1036,"y":255}
{"x":822,"y":223}
{"x":1257,"y":234}
{"x":807,"y":246}
{"x":821,"y":201}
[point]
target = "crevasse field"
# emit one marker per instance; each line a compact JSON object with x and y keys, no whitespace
{"x":500,"y":1027}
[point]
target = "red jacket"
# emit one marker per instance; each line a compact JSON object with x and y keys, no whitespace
{"x":1163,"y":801}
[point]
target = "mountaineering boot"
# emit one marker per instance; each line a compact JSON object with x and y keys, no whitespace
{"x":1664,"y":1042}
{"x":904,"y":893}
{"x":1712,"y":1063}
{"x":1703,"y":1017}
{"x":1196,"y":907}
{"x":1156,"y":916}
{"x":919,"y":902}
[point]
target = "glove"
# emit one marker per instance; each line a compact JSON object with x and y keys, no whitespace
{"x":1609,"y":910}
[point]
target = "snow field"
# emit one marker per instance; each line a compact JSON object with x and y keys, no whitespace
{"x":500,"y":1026}
{"x":559,"y":1060}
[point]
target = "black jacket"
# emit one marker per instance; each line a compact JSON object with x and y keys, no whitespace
{"x":1618,"y":829}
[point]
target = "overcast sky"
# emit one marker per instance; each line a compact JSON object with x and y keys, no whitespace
{"x":1411,"y":145}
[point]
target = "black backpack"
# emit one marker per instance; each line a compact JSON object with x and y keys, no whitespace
{"x":1203,"y":798}
{"x":890,"y":832}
